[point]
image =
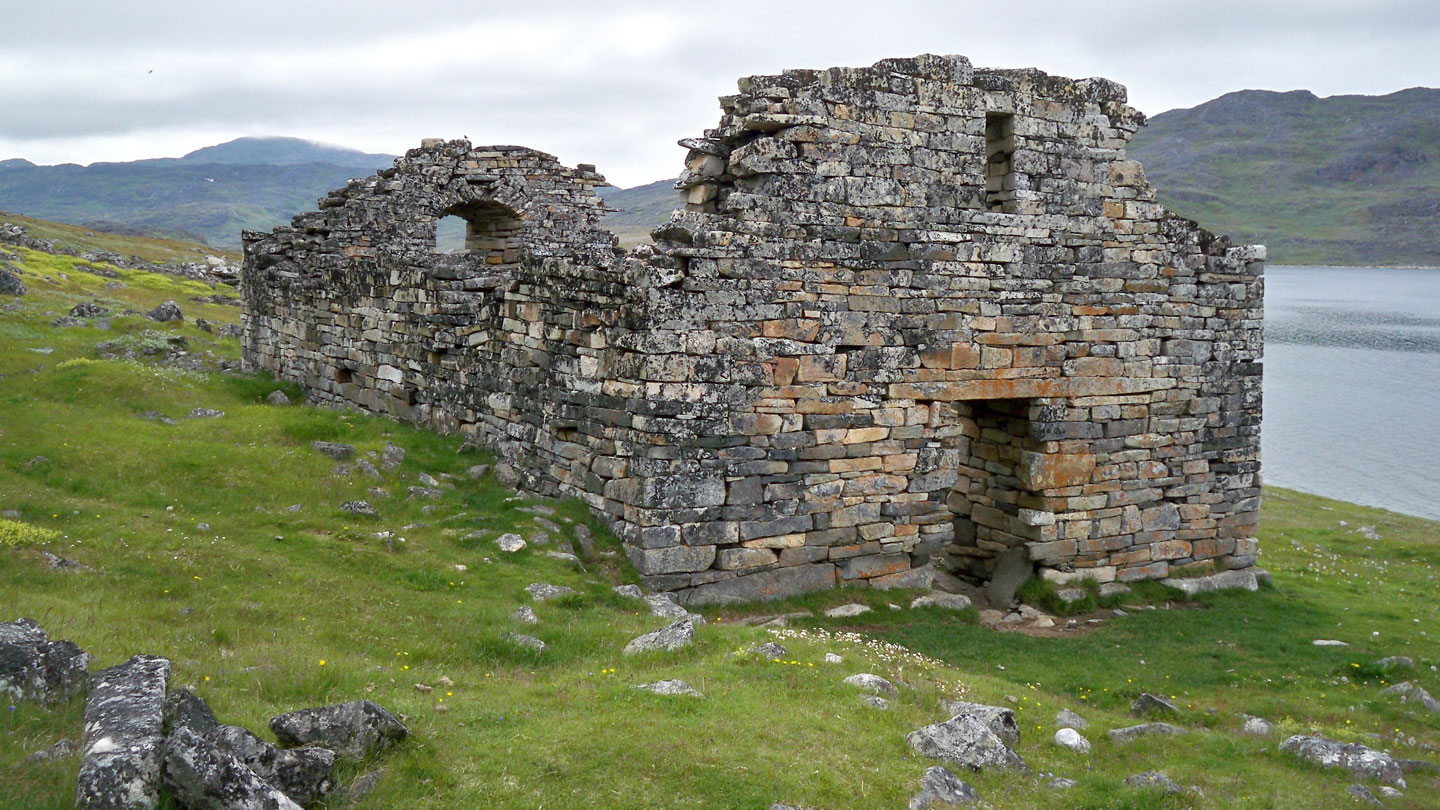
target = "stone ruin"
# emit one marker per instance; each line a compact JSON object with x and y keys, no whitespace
{"x":908,"y":317}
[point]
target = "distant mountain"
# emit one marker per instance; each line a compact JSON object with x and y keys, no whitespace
{"x":640,"y":209}
{"x":211,"y":193}
{"x":1339,"y":180}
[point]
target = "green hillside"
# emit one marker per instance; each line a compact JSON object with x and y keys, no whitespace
{"x":219,"y":543}
{"x":1349,"y":180}
{"x":211,"y":194}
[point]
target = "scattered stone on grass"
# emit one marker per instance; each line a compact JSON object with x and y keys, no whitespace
{"x":1357,"y":759}
{"x":998,"y":719}
{"x":507,"y":474}
{"x":1109,"y":589}
{"x":671,"y":687}
{"x":941,"y":599}
{"x":770,"y":650}
{"x":672,"y":637}
{"x":525,"y":614}
{"x":585,"y":539}
{"x":629,"y":591}
{"x":1153,"y":779}
{"x":352,"y":730}
{"x":529,"y":642}
{"x":846,"y":611}
{"x":1328,"y":642}
{"x":940,"y":788}
{"x":1389,"y":792}
{"x":1132,"y":733}
{"x":204,"y":413}
{"x":124,"y":736}
{"x":1410,"y":693}
{"x":1362,"y":794}
{"x":358,"y":508}
{"x":166,"y":313}
{"x":1061,"y":783}
{"x":965,"y":741}
{"x":278,"y":397}
{"x":393,"y":456}
{"x":32,"y":667}
{"x":1070,"y":595}
{"x":1396,"y":663}
{"x":510,"y":542}
{"x":60,"y":749}
{"x":664,"y":606}
{"x":832,"y":658}
{"x":430,"y":493}
{"x":1257,"y":727}
{"x":1068,"y":719}
{"x":156,"y":416}
{"x":543,"y":591}
{"x":335,"y":450}
{"x":875,"y":702}
{"x":1073,"y":740}
{"x":866,"y":682}
{"x":1152,"y":704}
{"x":87,"y":309}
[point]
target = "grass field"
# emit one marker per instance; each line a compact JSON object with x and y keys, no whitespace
{"x":218,"y":544}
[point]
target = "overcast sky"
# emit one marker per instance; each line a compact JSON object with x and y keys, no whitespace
{"x":616,"y":83}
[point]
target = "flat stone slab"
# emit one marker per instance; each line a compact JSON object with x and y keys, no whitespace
{"x":124,"y":736}
{"x":1132,"y":733}
{"x":940,"y":599}
{"x":846,"y":611}
{"x":672,"y":637}
{"x":544,"y":591}
{"x":1357,"y":759}
{"x":32,"y":667}
{"x":1243,"y":579}
{"x":352,"y":730}
{"x":671,"y":687}
{"x":1154,"y":780}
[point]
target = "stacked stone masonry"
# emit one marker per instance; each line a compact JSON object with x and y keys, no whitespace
{"x":906,"y":315}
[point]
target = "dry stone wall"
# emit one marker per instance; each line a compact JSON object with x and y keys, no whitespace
{"x":909,"y":315}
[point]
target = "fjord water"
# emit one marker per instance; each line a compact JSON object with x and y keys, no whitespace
{"x":1352,"y":385}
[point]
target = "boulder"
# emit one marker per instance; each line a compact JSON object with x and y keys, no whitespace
{"x":1068,"y":719}
{"x":202,"y":776}
{"x":874,"y":684}
{"x":359,"y":508}
{"x":278,"y":397}
{"x":1362,"y":794}
{"x":998,"y":719}
{"x":10,"y":283}
{"x":1243,"y":579}
{"x":875,"y":702}
{"x":352,"y":730}
{"x":770,"y":650}
{"x":629,"y":591}
{"x":392,"y":456}
{"x":1132,"y":733}
{"x":669,"y":638}
{"x":32,"y":667}
{"x":663,"y":605}
{"x":1073,"y":740}
{"x":670,"y":688}
{"x":510,"y":542}
{"x":1396,"y":663}
{"x":940,"y":788}
{"x":167,"y":312}
{"x":528,"y":642}
{"x":124,"y":736}
{"x":1355,"y":758}
{"x":507,"y":474}
{"x":1152,"y":704}
{"x":335,"y":450}
{"x":302,"y":774}
{"x":428,"y":493}
{"x":1153,"y":779}
{"x":544,"y":591}
{"x":965,"y":741}
{"x":525,"y":615}
{"x":87,"y":309}
{"x":1257,"y":727}
{"x":1410,"y":693}
{"x":183,"y":709}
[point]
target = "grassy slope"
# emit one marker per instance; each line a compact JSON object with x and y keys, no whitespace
{"x":158,"y":251}
{"x":269,"y":610}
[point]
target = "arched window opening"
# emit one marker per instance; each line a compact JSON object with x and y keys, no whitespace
{"x":485,"y":229}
